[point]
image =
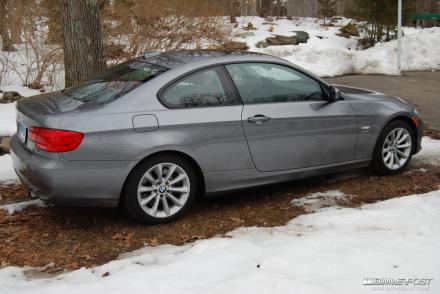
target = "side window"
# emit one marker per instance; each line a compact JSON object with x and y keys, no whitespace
{"x":271,"y":83}
{"x":203,"y":88}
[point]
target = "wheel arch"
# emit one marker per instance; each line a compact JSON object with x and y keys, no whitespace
{"x":405,"y":117}
{"x":200,"y":177}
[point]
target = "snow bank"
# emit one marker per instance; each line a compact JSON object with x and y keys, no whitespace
{"x":331,"y":251}
{"x":23,"y":91}
{"x":430,"y":153}
{"x":7,"y":173}
{"x":8,"y":125}
{"x":20,"y":206}
{"x":328,"y":55}
{"x":7,"y":111}
{"x":420,"y":51}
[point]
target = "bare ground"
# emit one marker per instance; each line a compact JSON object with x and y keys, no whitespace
{"x":69,"y":238}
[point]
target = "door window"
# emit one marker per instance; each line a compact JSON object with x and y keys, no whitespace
{"x":204,"y":88}
{"x":271,"y":83}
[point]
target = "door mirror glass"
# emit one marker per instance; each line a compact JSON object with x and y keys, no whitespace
{"x":335,"y":94}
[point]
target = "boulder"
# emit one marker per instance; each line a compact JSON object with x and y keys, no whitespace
{"x":235,"y":46}
{"x":278,"y":40}
{"x":5,"y":145}
{"x":244,"y":34}
{"x":10,"y":96}
{"x":261,"y":44}
{"x":269,"y":19}
{"x":348,"y":30}
{"x":301,"y":36}
{"x":249,"y":26}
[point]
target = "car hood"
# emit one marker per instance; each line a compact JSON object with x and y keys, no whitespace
{"x":367,"y":95}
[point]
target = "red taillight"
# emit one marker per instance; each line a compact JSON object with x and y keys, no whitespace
{"x":53,"y":140}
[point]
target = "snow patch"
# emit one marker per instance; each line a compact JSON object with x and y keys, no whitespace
{"x":330,"y":251}
{"x":315,"y":201}
{"x":430,"y":153}
{"x":8,"y":125}
{"x":7,"y":173}
{"x":20,"y":206}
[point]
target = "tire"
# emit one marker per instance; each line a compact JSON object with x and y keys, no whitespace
{"x":179,"y":188}
{"x":381,"y":162}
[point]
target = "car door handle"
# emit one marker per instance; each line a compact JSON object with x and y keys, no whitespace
{"x":259,"y":119}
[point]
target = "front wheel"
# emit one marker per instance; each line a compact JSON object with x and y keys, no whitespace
{"x":160,"y":189}
{"x":394,"y":148}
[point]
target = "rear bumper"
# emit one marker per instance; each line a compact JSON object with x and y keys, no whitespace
{"x":63,"y":182}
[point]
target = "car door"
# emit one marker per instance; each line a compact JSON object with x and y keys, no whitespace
{"x":288,"y":122}
{"x":204,"y":116}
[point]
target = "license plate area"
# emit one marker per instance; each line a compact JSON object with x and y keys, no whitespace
{"x":21,"y":132}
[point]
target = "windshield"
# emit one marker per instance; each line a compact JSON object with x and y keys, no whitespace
{"x":115,"y":82}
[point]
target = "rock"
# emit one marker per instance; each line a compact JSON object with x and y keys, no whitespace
{"x":278,"y":40}
{"x":249,"y":27}
{"x":301,"y":36}
{"x":261,"y":44}
{"x":348,"y":30}
{"x":235,"y":46}
{"x":269,"y":19}
{"x":10,"y":96}
{"x":5,"y":144}
{"x":244,"y":34}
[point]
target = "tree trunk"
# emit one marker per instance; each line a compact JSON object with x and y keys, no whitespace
{"x":271,"y":6}
{"x":52,"y":9}
{"x":278,"y":8}
{"x":6,"y":39}
{"x":232,"y":12}
{"x":15,"y":16}
{"x":82,"y":39}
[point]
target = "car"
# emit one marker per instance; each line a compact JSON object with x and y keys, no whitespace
{"x":158,"y":131}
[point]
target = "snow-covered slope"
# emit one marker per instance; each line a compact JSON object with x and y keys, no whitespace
{"x":331,"y":251}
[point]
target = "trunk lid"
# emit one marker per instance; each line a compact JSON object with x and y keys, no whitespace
{"x":42,"y":107}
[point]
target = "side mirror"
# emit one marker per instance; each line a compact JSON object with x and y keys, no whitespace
{"x":334,"y":95}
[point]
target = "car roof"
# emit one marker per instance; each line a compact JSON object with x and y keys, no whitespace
{"x":173,"y":59}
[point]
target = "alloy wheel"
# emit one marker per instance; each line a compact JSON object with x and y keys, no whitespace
{"x":396,"y":149}
{"x":163,"y":190}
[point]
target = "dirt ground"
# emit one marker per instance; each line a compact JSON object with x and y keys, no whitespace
{"x":69,"y":238}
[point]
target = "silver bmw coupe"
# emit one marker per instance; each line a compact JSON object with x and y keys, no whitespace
{"x":157,"y":131}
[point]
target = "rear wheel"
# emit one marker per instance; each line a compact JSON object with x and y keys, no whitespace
{"x":394,"y":148}
{"x":160,"y":189}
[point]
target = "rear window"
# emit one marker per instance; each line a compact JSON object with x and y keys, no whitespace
{"x":115,"y":82}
